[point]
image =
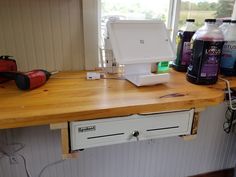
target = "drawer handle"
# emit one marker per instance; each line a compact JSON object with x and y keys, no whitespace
{"x":103,"y":136}
{"x":164,"y":128}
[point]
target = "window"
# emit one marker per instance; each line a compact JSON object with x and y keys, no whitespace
{"x":133,"y":10}
{"x":172,"y":12}
{"x":202,"y":9}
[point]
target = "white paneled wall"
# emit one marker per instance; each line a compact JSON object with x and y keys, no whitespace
{"x":169,"y":157}
{"x":45,"y":34}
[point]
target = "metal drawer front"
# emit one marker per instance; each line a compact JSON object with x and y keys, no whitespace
{"x":85,"y":134}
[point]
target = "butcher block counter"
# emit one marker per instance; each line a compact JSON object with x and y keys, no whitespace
{"x":68,"y":96}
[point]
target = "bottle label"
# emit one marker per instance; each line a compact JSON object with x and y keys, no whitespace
{"x":184,"y":51}
{"x":186,"y":55}
{"x":211,"y":59}
{"x":228,"y":58}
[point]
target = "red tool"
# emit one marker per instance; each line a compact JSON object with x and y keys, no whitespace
{"x":29,"y":80}
{"x":6,"y":65}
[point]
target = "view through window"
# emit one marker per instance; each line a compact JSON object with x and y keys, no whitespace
{"x":136,"y":9}
{"x":202,"y":9}
{"x":133,"y":10}
{"x":160,"y":9}
{"x":127,"y":10}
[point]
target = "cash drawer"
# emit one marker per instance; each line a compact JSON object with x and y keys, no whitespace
{"x":86,"y":134}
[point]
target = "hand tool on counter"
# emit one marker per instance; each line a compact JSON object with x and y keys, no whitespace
{"x":7,"y":64}
{"x":28,"y":80}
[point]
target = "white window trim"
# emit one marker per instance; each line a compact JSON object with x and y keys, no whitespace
{"x":173,"y":19}
{"x":234,"y":12}
{"x":91,"y":26}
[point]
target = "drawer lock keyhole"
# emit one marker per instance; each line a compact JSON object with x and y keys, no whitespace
{"x":136,"y":134}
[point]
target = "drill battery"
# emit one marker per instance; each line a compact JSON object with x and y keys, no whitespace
{"x":7,"y":65}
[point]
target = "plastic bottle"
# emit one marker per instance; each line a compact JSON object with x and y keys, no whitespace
{"x":224,"y":25}
{"x":228,"y":59}
{"x":183,"y":46}
{"x":207,"y":44}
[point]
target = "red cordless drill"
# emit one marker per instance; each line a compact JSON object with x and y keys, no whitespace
{"x":6,"y":65}
{"x":29,"y":80}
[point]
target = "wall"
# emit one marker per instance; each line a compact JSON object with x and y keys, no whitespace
{"x":45,"y":34}
{"x":91,"y":32}
{"x":169,"y":157}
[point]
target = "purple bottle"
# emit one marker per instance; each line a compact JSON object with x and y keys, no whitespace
{"x":184,"y":52}
{"x":207,"y":44}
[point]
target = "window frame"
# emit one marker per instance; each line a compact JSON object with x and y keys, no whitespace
{"x":91,"y":26}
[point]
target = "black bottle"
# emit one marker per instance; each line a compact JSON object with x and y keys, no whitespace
{"x":183,"y":46}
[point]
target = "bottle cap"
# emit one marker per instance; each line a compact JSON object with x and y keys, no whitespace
{"x":190,"y":20}
{"x":210,"y":20}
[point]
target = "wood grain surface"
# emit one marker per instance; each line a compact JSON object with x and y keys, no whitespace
{"x":69,"y":96}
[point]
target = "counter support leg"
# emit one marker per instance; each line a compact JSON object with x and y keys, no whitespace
{"x":65,"y":146}
{"x":195,"y":124}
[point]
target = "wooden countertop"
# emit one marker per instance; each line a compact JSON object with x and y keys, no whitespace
{"x":69,"y":96}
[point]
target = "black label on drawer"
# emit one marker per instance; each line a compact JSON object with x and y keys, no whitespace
{"x":87,"y":129}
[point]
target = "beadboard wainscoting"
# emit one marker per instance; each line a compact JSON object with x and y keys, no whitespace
{"x":212,"y":150}
{"x":46,"y":34}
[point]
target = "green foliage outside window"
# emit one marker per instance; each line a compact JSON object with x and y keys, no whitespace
{"x":202,"y":10}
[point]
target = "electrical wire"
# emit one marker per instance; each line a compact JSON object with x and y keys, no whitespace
{"x":25,"y":165}
{"x":115,"y":78}
{"x":102,"y":76}
{"x":54,"y":72}
{"x":15,"y":152}
{"x":229,"y":114}
{"x":9,"y":154}
{"x":229,"y":93}
{"x":53,"y":77}
{"x":49,"y":165}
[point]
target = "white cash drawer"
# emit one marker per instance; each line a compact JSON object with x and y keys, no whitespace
{"x":86,"y":134}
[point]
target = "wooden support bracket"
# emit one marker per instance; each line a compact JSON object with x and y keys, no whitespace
{"x":65,"y":146}
{"x":195,"y":124}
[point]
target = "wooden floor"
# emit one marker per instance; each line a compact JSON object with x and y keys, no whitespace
{"x":222,"y":173}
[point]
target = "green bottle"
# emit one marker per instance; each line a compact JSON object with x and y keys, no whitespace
{"x":163,"y":67}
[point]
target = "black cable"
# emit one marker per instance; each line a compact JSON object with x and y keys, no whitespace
{"x":230,"y":116}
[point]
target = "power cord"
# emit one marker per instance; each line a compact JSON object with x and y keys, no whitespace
{"x":49,"y":165}
{"x":229,"y":93}
{"x":25,"y":165}
{"x":230,"y":114}
{"x":5,"y":151}
{"x":102,"y":76}
{"x":8,"y":152}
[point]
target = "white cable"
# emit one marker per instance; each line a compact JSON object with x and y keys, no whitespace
{"x":25,"y":165}
{"x":49,"y":165}
{"x":13,"y":153}
{"x":9,"y":154}
{"x":54,"y":72}
{"x":229,"y":92}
